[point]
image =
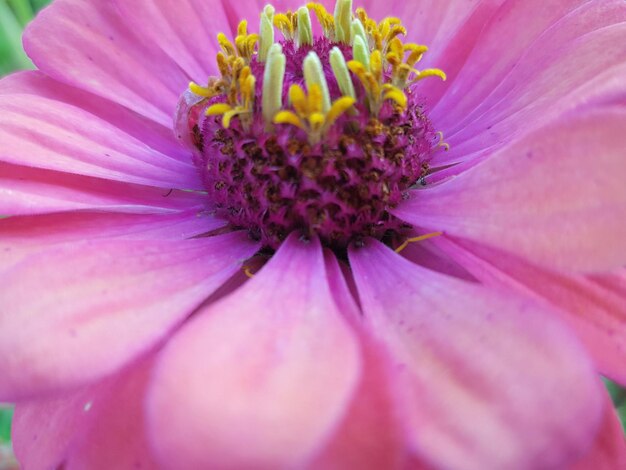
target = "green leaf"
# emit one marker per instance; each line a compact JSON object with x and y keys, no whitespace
{"x":6,"y":415}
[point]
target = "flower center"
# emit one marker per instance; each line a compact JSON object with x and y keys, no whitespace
{"x":318,"y":134}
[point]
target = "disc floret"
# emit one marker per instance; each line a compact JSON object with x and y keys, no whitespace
{"x":318,"y":134}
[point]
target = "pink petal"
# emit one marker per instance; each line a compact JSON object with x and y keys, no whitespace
{"x":185,"y":30}
{"x":515,"y":24}
{"x":99,"y":427}
{"x":261,"y":378}
{"x":22,"y":236}
{"x":46,"y":133}
{"x":541,"y":197}
{"x":26,"y":190}
{"x":155,"y":136}
{"x":370,"y":436}
{"x":80,"y":311}
{"x":481,"y":375}
{"x":86,"y":43}
{"x":609,"y":448}
{"x":596,"y":312}
{"x":545,"y":85}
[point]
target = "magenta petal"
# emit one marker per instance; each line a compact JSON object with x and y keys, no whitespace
{"x":22,"y":236}
{"x":541,"y":197}
{"x":261,"y":378}
{"x":87,"y":44}
{"x":99,"y":427}
{"x":480,"y":375}
{"x":26,"y":191}
{"x":79,"y":311}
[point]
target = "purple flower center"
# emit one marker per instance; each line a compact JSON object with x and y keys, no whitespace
{"x":333,"y":172}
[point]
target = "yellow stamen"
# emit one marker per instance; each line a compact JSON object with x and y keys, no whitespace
{"x":339,"y":107}
{"x":201,"y":91}
{"x":287,"y":117}
{"x":225,"y":44}
{"x":218,"y":109}
{"x":417,"y":239}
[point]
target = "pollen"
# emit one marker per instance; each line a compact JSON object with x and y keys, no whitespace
{"x":319,"y":134}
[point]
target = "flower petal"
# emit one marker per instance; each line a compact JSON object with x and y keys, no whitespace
{"x":22,"y":236}
{"x":478,"y":370}
{"x":609,"y":448}
{"x":155,"y":136}
{"x":77,"y":312}
{"x":370,"y":436}
{"x":272,"y":366}
{"x":595,"y":312}
{"x":25,"y":190}
{"x":55,"y":135}
{"x":99,"y":427}
{"x":542,"y":197}
{"x":546,"y":85}
{"x":185,"y":30}
{"x":88,"y":45}
{"x":503,"y":40}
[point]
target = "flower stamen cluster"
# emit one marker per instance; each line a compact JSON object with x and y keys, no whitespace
{"x":322,"y":134}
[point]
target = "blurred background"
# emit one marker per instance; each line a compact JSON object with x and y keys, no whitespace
{"x":14,"y":15}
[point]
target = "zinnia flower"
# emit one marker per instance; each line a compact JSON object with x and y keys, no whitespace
{"x":334,"y":248}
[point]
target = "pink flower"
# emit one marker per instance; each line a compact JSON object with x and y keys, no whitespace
{"x":130,"y":335}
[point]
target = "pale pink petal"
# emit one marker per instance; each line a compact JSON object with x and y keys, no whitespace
{"x":557,"y":196}
{"x":156,"y":136}
{"x":268,"y":372}
{"x":596,"y":312}
{"x":25,"y":190}
{"x":370,"y":436}
{"x":503,"y":40}
{"x":575,"y":68}
{"x":22,"y":236}
{"x":86,"y":43}
{"x":609,"y":448}
{"x":546,"y":72}
{"x":79,"y":311}
{"x":185,"y":30}
{"x":55,"y":135}
{"x":481,"y":375}
{"x":99,"y":427}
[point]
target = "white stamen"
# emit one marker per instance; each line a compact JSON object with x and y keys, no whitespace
{"x":314,"y":74}
{"x":342,"y":74}
{"x":305,"y":31}
{"x":266,"y":31}
{"x":273,"y":83}
{"x":358,"y":30}
{"x":361,"y":52}
{"x":343,"y":20}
